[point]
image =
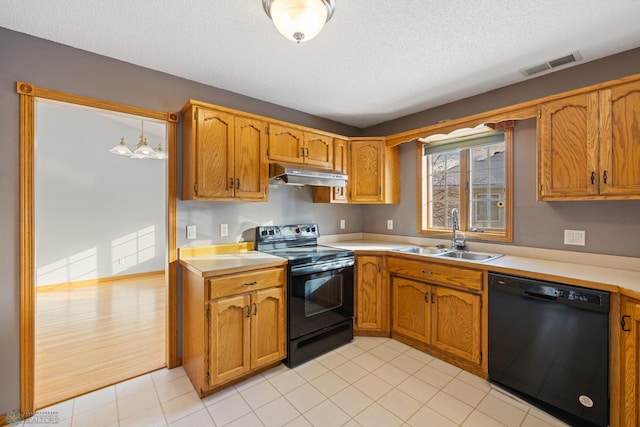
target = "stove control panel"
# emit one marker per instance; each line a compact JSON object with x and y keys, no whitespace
{"x":274,"y":233}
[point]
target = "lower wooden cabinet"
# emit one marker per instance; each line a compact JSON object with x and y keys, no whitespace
{"x":372,"y":296}
{"x":630,"y":362}
{"x":433,"y":314}
{"x":233,"y":326}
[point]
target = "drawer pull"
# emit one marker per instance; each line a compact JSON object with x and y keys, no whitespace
{"x":251,"y":283}
{"x":426,"y":272}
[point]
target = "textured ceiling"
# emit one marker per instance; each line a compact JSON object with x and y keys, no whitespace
{"x":375,"y":60}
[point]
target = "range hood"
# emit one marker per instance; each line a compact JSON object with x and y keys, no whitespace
{"x":290,"y":174}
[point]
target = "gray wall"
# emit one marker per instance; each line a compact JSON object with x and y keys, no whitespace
{"x":96,"y":214}
{"x":54,"y":66}
{"x":611,"y":226}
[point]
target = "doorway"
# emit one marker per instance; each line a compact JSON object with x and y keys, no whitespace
{"x":30,"y":95}
{"x":100,"y":249}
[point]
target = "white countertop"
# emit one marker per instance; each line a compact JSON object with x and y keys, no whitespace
{"x":597,"y":277}
{"x":213,"y":265}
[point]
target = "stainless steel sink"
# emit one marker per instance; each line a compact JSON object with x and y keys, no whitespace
{"x":423,"y":250}
{"x":470,"y":256}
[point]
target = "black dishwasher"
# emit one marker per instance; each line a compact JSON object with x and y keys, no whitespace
{"x":549,"y":344}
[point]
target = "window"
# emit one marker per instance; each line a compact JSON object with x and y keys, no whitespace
{"x":472,"y":174}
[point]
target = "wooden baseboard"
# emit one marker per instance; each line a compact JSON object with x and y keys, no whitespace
{"x":369,"y":333}
{"x":3,"y":419}
{"x":91,"y":282}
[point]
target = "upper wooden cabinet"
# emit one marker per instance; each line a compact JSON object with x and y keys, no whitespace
{"x":340,"y":163}
{"x":224,"y":156}
{"x":293,"y":145}
{"x":374,"y":171}
{"x":589,"y":145}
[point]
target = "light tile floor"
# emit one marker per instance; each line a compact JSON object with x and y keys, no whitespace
{"x":369,"y":382}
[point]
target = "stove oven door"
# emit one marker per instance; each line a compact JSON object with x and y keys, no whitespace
{"x":320,"y":295}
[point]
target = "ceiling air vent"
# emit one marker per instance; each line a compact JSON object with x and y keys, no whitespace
{"x":535,"y":69}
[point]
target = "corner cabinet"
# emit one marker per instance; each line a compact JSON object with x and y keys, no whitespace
{"x":234,"y":325}
{"x":224,"y":156}
{"x":374,"y":175}
{"x":438,"y":309}
{"x":293,"y":145}
{"x":372,"y":296}
{"x":630,"y":362}
{"x":588,"y":146}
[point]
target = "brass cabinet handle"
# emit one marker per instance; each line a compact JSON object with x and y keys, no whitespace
{"x":426,"y":272}
{"x":251,"y":283}
{"x":302,"y":152}
{"x":238,"y":183}
{"x":604,"y":176}
{"x":248,"y":311}
{"x":231,"y":183}
{"x":255,"y":308}
{"x":426,"y":297}
{"x":593,"y":178}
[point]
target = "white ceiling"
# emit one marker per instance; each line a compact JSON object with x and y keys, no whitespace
{"x":375,"y":60}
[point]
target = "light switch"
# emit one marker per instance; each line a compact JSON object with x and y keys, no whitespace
{"x":224,"y":230}
{"x":389,"y":224}
{"x":191,"y":232}
{"x":343,"y":224}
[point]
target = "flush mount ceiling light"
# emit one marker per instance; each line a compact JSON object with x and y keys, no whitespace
{"x":299,"y":20}
{"x":141,"y":151}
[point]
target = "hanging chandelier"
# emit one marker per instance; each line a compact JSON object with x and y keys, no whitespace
{"x":141,"y":151}
{"x":299,"y":20}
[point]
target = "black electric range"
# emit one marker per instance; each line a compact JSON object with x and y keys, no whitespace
{"x":320,"y":287}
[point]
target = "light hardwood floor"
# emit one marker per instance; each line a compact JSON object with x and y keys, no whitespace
{"x":90,"y":335}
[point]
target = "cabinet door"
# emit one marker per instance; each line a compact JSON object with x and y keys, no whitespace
{"x":268,"y":327}
{"x":229,"y":338}
{"x":214,"y":153}
{"x":366,"y":179}
{"x":372,"y":294}
{"x":456,"y":323}
{"x":318,"y":150}
{"x":620,"y":140}
{"x":630,"y":356}
{"x":285,"y":144}
{"x":568,"y":148}
{"x":251,"y":167}
{"x":340,"y":163}
{"x":411,"y":308}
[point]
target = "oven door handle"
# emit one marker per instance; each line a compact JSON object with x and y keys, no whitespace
{"x":298,"y":270}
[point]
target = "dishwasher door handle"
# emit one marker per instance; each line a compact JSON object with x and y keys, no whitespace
{"x":540,"y":296}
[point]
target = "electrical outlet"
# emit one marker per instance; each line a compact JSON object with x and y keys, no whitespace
{"x":120,"y":261}
{"x":343,"y":224}
{"x":191,"y":232}
{"x":224,"y":230}
{"x":389,"y":224}
{"x":574,"y":237}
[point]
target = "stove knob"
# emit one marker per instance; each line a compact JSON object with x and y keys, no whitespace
{"x":264,"y":233}
{"x":313,"y":229}
{"x":271,"y":233}
{"x":298,"y":230}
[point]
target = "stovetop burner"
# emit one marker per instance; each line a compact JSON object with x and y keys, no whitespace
{"x":297,"y":243}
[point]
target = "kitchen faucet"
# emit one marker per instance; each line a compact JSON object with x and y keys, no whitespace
{"x":456,"y":243}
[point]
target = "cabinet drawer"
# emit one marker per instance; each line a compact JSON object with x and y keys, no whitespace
{"x":436,"y":273}
{"x":245,"y":282}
